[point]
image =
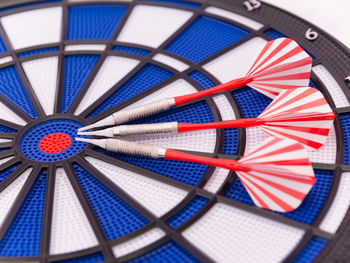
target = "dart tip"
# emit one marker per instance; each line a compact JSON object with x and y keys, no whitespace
{"x":108,"y":121}
{"x":106,"y":132}
{"x":81,"y":139}
{"x":98,"y":142}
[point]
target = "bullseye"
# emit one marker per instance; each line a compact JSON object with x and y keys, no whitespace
{"x":55,"y":143}
{"x":51,"y":140}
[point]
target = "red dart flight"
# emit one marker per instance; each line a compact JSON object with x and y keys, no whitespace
{"x":301,"y":114}
{"x":282,"y":64}
{"x":277,"y":175}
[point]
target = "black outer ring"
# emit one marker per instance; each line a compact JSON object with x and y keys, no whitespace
{"x":331,"y":53}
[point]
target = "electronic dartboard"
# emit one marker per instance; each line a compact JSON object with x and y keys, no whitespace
{"x":66,"y":64}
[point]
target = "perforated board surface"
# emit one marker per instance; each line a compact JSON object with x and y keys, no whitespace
{"x":65,"y":64}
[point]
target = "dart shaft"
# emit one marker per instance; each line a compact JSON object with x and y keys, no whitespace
{"x":233,"y":165}
{"x":155,"y":152}
{"x":233,"y":84}
{"x":240,"y":123}
{"x":175,"y":128}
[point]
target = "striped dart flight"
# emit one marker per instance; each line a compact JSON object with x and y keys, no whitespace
{"x":277,"y":175}
{"x":301,"y":114}
{"x":282,"y":64}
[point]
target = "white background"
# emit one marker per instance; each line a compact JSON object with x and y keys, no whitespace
{"x":333,"y":16}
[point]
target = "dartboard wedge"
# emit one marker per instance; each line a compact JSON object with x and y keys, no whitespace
{"x":282,"y":64}
{"x":277,"y":175}
{"x":301,"y":114}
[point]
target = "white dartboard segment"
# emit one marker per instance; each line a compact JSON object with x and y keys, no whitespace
{"x":42,"y":75}
{"x":33,"y":27}
{"x":152,"y":25}
{"x":228,"y":234}
{"x":216,"y":180}
{"x":6,"y":159}
{"x":236,"y":62}
{"x":138,"y":242}
{"x":225,"y":108}
{"x":9,"y":194}
{"x":113,"y":69}
{"x":70,"y":228}
{"x":171,"y":62}
{"x":339,"y":206}
{"x":156,"y":196}
{"x":176,"y":88}
{"x":234,"y":17}
{"x":332,"y":86}
{"x":8,"y":115}
{"x":85,"y":47}
{"x":5,"y":60}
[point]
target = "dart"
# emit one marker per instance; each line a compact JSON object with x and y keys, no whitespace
{"x":277,"y":175}
{"x":301,"y":114}
{"x":282,"y":64}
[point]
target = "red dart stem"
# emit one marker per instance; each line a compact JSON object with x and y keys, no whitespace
{"x":171,"y":154}
{"x":240,"y":123}
{"x":233,"y":84}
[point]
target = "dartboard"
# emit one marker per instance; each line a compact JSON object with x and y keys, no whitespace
{"x":66,"y":64}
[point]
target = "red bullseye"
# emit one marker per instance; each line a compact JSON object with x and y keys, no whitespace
{"x":55,"y":143}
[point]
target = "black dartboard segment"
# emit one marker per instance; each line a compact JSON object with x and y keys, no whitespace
{"x":66,"y":64}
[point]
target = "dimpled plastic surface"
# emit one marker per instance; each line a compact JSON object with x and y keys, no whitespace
{"x":2,"y":46}
{"x":131,"y":50}
{"x":6,"y":129}
{"x":76,"y":70}
{"x":93,"y":258}
{"x":174,"y":2}
{"x":149,"y":76}
{"x":8,"y":171}
{"x":55,"y":143}
{"x":345,"y":121}
{"x":230,"y":141}
{"x":37,"y":51}
{"x":187,"y":212}
{"x":186,"y":172}
{"x":93,"y":21}
{"x":117,"y":218}
{"x":274,"y":34}
{"x":202,"y":80}
{"x":205,"y":37}
{"x":311,"y":250}
{"x":313,"y":84}
{"x":169,"y":252}
{"x":29,"y":4}
{"x":30,"y":140}
{"x":22,"y":238}
{"x":250,"y":102}
{"x":12,"y":88}
{"x":310,"y":207}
